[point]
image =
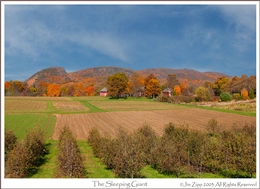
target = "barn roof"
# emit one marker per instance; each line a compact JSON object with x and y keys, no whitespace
{"x":103,"y":90}
{"x":167,"y":90}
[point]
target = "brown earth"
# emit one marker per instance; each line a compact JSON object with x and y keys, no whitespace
{"x":70,"y":106}
{"x":108,"y":123}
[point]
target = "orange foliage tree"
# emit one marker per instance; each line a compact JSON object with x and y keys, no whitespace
{"x":91,"y":90}
{"x":80,"y":89}
{"x":177,"y":89}
{"x":53,"y":90}
{"x":244,"y":93}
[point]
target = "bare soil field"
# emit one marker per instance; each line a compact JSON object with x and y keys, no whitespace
{"x":108,"y":123}
{"x":24,"y":106}
{"x":132,"y":105}
{"x":41,"y":98}
{"x":70,"y":106}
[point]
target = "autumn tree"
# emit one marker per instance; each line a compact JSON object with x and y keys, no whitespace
{"x":90,"y":90}
{"x":7,"y":87}
{"x":117,"y":85}
{"x":42,"y":88}
{"x":15,"y":88}
{"x":172,"y":81}
{"x":221,"y":85}
{"x":244,"y":93}
{"x":53,"y":90}
{"x":177,"y":90}
{"x":64,"y":91}
{"x":148,"y":78}
{"x":184,"y":87}
{"x":202,"y":94}
{"x":153,"y":88}
{"x":136,"y":83}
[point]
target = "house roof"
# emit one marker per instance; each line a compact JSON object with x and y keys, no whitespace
{"x":103,"y":90}
{"x":167,"y":90}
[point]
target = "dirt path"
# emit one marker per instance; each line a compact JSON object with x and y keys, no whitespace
{"x":109,"y":123}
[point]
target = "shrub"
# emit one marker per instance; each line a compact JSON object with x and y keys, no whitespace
{"x":10,"y":141}
{"x":237,"y":96}
{"x":18,"y":162}
{"x":26,"y":154}
{"x":108,"y":151}
{"x":225,"y":96}
{"x":94,"y":140}
{"x":215,"y":98}
{"x":251,"y":94}
{"x":213,"y":126}
{"x":163,"y":98}
{"x":34,"y":141}
{"x":170,"y":153}
{"x":146,"y":141}
{"x":202,"y":94}
{"x":70,"y":162}
{"x":129,"y":159}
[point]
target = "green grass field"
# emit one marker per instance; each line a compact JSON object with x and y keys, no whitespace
{"x":24,"y":113}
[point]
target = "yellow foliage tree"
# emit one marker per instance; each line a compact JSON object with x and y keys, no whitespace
{"x":153,"y":88}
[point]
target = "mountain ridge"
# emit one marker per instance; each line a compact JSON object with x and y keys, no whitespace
{"x":60,"y":75}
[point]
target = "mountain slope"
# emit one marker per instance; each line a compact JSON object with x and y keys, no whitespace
{"x":99,"y":75}
{"x":50,"y":75}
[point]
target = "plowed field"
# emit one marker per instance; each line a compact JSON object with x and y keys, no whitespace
{"x":108,"y":123}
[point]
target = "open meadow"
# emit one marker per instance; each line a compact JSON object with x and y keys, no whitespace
{"x":81,"y":114}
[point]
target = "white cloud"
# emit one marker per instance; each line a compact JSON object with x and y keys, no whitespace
{"x":104,"y":43}
{"x":31,"y":37}
{"x":243,"y":16}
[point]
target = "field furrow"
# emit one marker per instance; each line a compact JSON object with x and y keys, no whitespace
{"x":108,"y":123}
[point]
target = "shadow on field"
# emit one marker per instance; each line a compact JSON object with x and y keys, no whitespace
{"x":40,"y":161}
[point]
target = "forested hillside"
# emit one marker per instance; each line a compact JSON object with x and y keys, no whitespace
{"x":99,"y":75}
{"x":55,"y":81}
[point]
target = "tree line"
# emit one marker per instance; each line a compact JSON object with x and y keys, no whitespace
{"x":119,"y":85}
{"x":180,"y":151}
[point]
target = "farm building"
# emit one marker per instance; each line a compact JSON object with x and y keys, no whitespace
{"x":167,"y":92}
{"x":103,"y":92}
{"x":140,"y":91}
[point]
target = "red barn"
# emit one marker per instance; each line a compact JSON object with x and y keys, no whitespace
{"x":167,"y":92}
{"x":103,"y":92}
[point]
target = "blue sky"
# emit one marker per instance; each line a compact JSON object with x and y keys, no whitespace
{"x":218,"y":38}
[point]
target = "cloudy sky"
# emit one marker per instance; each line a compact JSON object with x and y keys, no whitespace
{"x":218,"y":38}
